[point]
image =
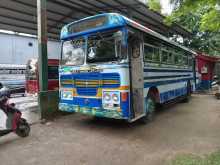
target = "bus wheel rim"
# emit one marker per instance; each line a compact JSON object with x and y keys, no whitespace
{"x":150,"y":106}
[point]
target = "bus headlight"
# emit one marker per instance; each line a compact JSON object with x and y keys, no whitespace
{"x":66,"y":94}
{"x":106,"y":97}
{"x":115,"y":97}
{"x":111,"y":99}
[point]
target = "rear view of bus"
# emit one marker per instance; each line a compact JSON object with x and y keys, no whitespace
{"x":94,"y":74}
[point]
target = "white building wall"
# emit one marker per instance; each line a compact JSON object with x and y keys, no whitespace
{"x":15,"y":49}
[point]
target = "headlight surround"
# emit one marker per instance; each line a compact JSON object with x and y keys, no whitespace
{"x":111,"y":98}
{"x":66,"y":94}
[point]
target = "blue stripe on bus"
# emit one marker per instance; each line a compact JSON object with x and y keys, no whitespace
{"x":88,"y":102}
{"x":157,"y":83}
{"x":172,"y":94}
{"x":96,"y":76}
{"x":170,"y":76}
{"x":166,"y":70}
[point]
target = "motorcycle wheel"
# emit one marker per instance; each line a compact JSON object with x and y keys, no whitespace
{"x":23,"y":129}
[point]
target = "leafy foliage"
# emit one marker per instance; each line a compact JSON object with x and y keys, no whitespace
{"x":155,"y":5}
{"x":210,"y":18}
{"x":202,"y":18}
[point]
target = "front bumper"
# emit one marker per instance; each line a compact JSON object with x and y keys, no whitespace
{"x":115,"y":114}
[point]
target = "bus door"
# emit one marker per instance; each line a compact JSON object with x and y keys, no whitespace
{"x":136,"y":77}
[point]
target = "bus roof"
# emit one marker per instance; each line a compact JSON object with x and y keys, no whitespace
{"x":109,"y":21}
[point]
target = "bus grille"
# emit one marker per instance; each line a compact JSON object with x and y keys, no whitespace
{"x":110,"y":80}
{"x":87,"y":83}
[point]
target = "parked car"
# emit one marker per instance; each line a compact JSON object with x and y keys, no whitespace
{"x":17,"y":90}
{"x":8,"y":91}
{"x":4,"y":91}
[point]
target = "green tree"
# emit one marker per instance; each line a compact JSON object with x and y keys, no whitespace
{"x":154,"y":5}
{"x":210,"y":15}
{"x":202,"y":18}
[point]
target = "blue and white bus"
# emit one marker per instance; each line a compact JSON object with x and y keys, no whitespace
{"x":114,"y":67}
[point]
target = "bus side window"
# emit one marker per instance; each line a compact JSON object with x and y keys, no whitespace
{"x":176,"y":59}
{"x":190,"y":63}
{"x":170,"y":58}
{"x":164,"y":56}
{"x":156,"y":56}
{"x":185,"y":60}
{"x":180,"y":61}
{"x":148,"y":53}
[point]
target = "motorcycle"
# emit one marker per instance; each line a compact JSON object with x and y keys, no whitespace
{"x":216,"y":84}
{"x":11,"y":119}
{"x":217,"y":94}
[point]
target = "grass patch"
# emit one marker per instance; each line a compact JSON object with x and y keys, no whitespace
{"x":190,"y":159}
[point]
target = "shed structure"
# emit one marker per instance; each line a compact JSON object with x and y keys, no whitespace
{"x":206,"y":67}
{"x":46,"y":17}
{"x":21,"y":15}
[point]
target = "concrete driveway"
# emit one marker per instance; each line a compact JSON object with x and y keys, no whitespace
{"x":80,"y":140}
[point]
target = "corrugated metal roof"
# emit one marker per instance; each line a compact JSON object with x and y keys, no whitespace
{"x":21,"y":15}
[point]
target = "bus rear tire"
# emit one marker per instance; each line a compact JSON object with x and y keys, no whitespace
{"x":188,"y":94}
{"x":150,"y":110}
{"x":186,"y":99}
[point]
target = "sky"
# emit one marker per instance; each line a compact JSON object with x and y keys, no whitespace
{"x":166,"y":6}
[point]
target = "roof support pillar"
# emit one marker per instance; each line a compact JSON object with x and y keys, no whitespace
{"x":42,"y":52}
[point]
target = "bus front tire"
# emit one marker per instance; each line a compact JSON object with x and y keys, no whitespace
{"x":150,"y":110}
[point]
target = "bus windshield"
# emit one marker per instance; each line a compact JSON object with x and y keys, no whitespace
{"x":73,"y":52}
{"x":102,"y":47}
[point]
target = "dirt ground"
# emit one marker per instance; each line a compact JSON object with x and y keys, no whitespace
{"x":80,"y":140}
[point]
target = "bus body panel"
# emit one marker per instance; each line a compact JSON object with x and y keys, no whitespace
{"x":87,"y":93}
{"x":171,"y":83}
